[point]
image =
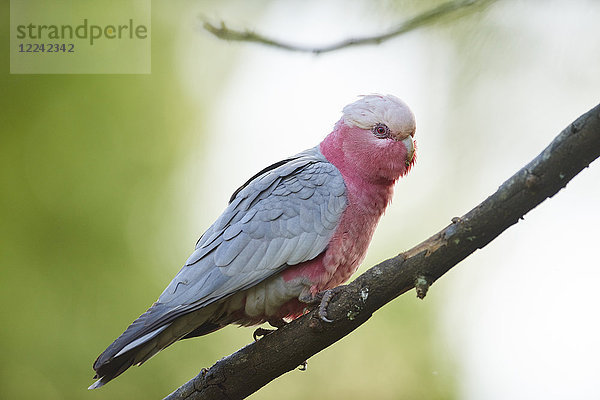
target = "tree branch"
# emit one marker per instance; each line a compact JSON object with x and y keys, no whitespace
{"x":426,"y":18}
{"x":255,"y":365}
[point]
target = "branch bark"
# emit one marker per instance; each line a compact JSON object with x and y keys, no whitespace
{"x":426,"y":18}
{"x":252,"y":367}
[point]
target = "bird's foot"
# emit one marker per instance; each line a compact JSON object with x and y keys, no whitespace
{"x":261,"y":332}
{"x":323,"y":299}
{"x":277,"y":322}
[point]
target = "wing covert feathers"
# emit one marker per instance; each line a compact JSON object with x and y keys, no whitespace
{"x":284,"y":215}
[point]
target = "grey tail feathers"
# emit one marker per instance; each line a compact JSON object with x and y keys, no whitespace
{"x":134,"y":346}
{"x":143,"y":339}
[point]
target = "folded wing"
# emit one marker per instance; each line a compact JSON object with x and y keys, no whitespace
{"x":283,"y":216}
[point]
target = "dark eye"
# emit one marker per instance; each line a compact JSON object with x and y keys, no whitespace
{"x":381,"y":131}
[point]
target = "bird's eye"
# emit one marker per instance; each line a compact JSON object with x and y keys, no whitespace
{"x":381,"y":131}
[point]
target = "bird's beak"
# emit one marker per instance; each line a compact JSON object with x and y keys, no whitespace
{"x":410,"y":149}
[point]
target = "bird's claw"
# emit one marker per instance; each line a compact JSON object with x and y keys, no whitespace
{"x":275,"y":323}
{"x":322,"y":299}
{"x":326,"y":298}
{"x":261,"y":332}
{"x":302,"y":367}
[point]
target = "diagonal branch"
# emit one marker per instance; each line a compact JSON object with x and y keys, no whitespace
{"x":426,"y":18}
{"x":255,"y":365}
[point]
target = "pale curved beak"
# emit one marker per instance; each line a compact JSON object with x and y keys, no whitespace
{"x":410,"y":149}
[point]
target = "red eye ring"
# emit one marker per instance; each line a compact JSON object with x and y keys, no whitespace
{"x":381,"y":131}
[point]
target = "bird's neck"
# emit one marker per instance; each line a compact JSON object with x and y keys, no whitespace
{"x":363,"y":183}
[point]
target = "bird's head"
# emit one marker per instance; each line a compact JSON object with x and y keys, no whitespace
{"x":373,"y":139}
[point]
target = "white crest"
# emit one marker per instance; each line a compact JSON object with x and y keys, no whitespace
{"x":374,"y":108}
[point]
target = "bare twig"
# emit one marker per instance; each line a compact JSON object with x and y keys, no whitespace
{"x":426,"y":18}
{"x":255,"y":365}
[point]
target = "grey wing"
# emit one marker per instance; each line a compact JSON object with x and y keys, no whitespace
{"x":283,"y":217}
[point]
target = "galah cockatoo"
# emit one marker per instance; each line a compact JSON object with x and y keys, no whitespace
{"x":299,"y":227}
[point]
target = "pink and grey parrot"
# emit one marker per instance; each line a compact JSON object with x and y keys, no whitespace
{"x":295,"y":229}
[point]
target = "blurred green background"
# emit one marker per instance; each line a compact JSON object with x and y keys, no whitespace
{"x":100,"y":174}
